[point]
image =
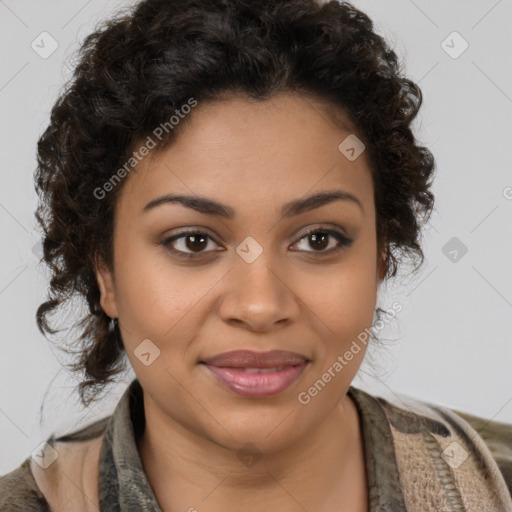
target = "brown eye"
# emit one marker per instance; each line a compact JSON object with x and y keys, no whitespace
{"x":194,"y":242}
{"x":320,"y":239}
{"x":187,"y":244}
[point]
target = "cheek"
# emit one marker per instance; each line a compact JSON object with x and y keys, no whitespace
{"x":348,"y":295}
{"x":346,"y":309}
{"x":345,"y":304}
{"x":152,"y":295}
{"x":343,"y":314}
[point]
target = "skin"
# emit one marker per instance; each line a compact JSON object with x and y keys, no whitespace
{"x":254,"y":157}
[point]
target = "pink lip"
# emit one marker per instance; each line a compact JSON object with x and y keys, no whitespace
{"x":229,"y":369}
{"x":257,"y":385}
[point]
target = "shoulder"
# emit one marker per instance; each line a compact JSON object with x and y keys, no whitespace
{"x":498,"y":438}
{"x":19,"y":491}
{"x":64,"y":477}
{"x":490,"y":439}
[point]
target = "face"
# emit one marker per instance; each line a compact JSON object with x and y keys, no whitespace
{"x":192,"y":281}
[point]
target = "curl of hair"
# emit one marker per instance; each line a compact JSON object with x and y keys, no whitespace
{"x":135,"y":70}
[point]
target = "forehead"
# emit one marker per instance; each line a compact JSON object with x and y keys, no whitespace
{"x":253,"y":152}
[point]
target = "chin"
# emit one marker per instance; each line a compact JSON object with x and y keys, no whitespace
{"x":269,"y":430}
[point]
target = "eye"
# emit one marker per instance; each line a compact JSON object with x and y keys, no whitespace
{"x":319,"y":240}
{"x":195,"y":241}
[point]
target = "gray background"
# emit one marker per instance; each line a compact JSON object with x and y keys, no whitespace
{"x":450,"y":345}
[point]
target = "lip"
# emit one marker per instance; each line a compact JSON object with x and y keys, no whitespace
{"x":252,"y":359}
{"x":230,"y":368}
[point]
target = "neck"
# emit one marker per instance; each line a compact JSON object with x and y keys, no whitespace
{"x":188,"y":470}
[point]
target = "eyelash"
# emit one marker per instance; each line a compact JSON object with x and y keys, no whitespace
{"x":343,"y":242}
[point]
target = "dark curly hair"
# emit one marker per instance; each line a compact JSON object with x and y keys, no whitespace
{"x":137,"y":69}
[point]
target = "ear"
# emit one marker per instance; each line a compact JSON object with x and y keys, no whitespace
{"x":382,"y":265}
{"x":107,"y":291}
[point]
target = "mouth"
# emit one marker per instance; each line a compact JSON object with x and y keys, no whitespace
{"x":256,"y":374}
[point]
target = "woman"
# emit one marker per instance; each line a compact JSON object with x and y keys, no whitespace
{"x":227,"y":183}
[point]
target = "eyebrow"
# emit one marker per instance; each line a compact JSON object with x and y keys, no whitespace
{"x":210,"y":207}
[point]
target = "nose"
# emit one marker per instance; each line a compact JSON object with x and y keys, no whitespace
{"x":258,"y":297}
